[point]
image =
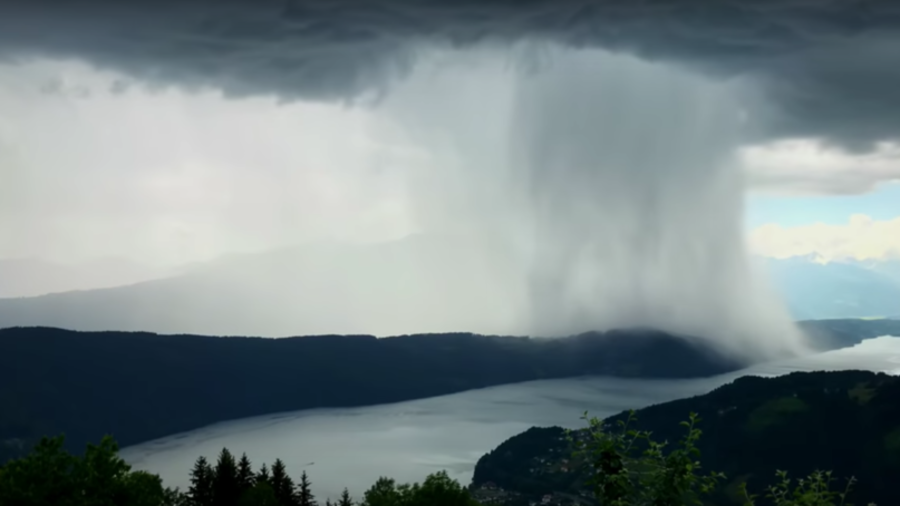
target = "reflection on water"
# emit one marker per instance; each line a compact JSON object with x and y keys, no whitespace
{"x":406,"y":441}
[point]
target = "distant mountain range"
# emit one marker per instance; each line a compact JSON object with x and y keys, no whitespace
{"x":382,"y":289}
{"x":837,"y":289}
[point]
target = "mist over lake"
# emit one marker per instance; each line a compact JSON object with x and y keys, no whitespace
{"x":407,"y":441}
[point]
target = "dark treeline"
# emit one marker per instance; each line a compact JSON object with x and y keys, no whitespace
{"x":231,"y":482}
{"x":51,"y":476}
{"x":847,"y":422}
{"x":141,"y":386}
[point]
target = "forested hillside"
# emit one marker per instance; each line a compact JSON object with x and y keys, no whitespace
{"x":847,"y":422}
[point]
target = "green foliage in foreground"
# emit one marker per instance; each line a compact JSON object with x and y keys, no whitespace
{"x":51,"y":476}
{"x":629,"y":468}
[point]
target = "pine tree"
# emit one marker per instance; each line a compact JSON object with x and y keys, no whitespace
{"x":304,"y":494}
{"x":282,"y":484}
{"x":245,"y":475}
{"x":201,"y":489}
{"x":263,"y":475}
{"x":345,"y":499}
{"x":226,"y":491}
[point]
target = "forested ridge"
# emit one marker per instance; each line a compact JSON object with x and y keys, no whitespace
{"x":141,"y":386}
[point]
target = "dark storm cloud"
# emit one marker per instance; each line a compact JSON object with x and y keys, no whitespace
{"x":831,"y":66}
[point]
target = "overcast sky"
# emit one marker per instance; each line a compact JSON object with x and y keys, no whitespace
{"x":116,"y":139}
{"x":172,"y":177}
{"x":92,"y":169}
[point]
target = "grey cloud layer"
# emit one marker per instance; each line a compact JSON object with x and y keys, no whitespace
{"x":831,"y":68}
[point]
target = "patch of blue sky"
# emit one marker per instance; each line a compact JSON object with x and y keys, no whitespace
{"x":881,"y":204}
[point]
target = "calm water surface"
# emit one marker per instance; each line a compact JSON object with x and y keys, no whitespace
{"x":407,"y":441}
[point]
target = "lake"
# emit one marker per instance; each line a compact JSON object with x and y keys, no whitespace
{"x":352,"y":447}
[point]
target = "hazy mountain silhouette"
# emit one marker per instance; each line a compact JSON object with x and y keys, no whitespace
{"x":411,"y":285}
{"x":400,"y":287}
{"x":30,"y":277}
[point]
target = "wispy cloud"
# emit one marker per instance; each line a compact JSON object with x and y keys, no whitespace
{"x":861,"y":238}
